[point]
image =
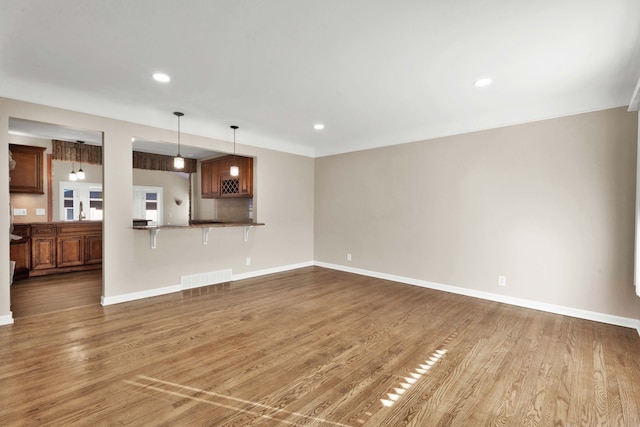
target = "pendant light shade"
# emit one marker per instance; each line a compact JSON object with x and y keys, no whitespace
{"x":178,"y":161}
{"x":234,"y":170}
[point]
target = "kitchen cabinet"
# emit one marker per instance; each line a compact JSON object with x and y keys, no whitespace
{"x":210,"y":173}
{"x":43,"y":247}
{"x":93,"y":249}
{"x":70,"y":251}
{"x":246,"y":176}
{"x":27,"y":177}
{"x":20,"y":252}
{"x":65,"y":247}
{"x":217,"y":181}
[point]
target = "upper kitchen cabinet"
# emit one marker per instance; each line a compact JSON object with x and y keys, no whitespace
{"x":217,"y":182}
{"x":27,"y":176}
{"x":210,"y":174}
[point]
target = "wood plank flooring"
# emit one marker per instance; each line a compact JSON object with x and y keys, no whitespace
{"x":316,"y":347}
{"x":46,"y":294}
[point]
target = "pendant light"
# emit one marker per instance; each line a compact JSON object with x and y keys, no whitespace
{"x":73,"y":176}
{"x":235,"y":170}
{"x":80,"y":174}
{"x":178,"y":161}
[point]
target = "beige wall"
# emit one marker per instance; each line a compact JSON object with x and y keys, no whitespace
{"x":284,"y":192}
{"x":549,"y":204}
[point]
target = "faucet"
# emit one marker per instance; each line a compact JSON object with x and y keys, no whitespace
{"x":81,"y":216}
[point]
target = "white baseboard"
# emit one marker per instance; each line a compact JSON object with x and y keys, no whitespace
{"x":7,"y":319}
{"x":117,"y":299}
{"x":266,"y":271}
{"x":551,"y":308}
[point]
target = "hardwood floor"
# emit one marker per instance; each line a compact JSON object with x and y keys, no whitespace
{"x":46,"y":294}
{"x":316,"y":347}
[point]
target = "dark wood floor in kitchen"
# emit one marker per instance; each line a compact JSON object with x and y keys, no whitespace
{"x":316,"y":347}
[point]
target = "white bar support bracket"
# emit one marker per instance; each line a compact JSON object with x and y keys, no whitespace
{"x":247,"y":228}
{"x":205,"y":235}
{"x":153,"y":232}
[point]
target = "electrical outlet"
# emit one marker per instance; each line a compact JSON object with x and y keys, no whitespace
{"x":19,"y":212}
{"x":41,"y":212}
{"x":348,"y":257}
{"x":502,"y":280}
{"x":248,"y":261}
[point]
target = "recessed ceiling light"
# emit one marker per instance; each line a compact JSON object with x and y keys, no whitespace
{"x":318,"y":126}
{"x":483,"y":82}
{"x":161,"y":77}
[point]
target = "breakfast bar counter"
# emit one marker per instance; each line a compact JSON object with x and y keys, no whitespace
{"x":206,"y":227}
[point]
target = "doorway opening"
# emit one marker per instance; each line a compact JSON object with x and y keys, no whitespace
{"x":56,"y":235}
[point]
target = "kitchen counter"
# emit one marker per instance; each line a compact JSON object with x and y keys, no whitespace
{"x":205,"y":226}
{"x":199,"y":225}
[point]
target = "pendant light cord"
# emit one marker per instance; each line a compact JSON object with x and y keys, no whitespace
{"x":178,"y":115}
{"x":234,"y":127}
{"x":179,"y":136}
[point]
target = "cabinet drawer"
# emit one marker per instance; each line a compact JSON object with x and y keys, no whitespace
{"x":78,"y":228}
{"x":38,"y":230}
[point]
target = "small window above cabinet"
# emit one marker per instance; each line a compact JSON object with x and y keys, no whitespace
{"x":27,"y":176}
{"x":217,"y":181}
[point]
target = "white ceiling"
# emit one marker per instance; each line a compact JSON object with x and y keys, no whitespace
{"x":374,"y":72}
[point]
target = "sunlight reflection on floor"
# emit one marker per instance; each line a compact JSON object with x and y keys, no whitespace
{"x":414,"y":376}
{"x":217,"y":399}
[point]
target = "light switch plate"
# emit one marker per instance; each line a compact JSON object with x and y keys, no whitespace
{"x":41,"y":212}
{"x":19,"y":212}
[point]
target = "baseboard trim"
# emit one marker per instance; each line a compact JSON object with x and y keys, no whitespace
{"x":264,"y":272}
{"x":7,"y":319}
{"x":117,"y":299}
{"x":550,"y":308}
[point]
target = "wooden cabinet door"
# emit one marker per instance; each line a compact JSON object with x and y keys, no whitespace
{"x":246,"y":176}
{"x":210,"y":179}
{"x":20,"y":251}
{"x":70,"y":251}
{"x":93,"y":249}
{"x":27,"y":177}
{"x":205,"y":179}
{"x":43,"y":253}
{"x":21,"y":254}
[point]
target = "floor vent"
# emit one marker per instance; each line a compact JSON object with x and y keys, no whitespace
{"x":205,"y":279}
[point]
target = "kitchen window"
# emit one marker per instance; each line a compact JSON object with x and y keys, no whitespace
{"x":80,"y":201}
